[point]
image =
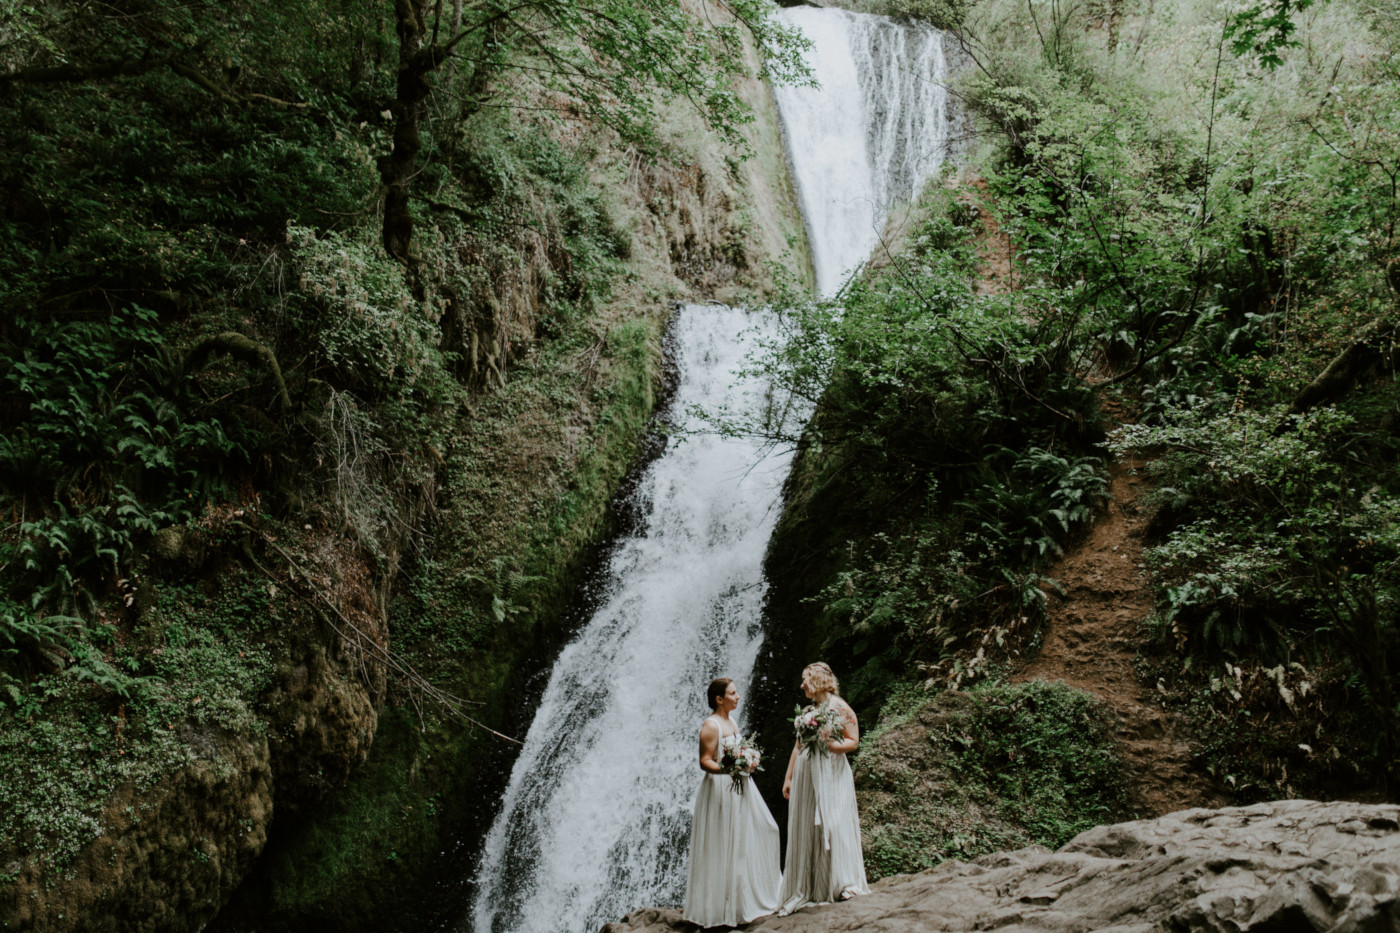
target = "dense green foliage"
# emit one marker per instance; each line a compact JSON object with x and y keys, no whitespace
{"x":106,"y":439}
{"x":212,"y":326}
{"x":217,"y":364}
{"x":1199,"y":203}
{"x":952,"y":444}
{"x":1221,"y":253}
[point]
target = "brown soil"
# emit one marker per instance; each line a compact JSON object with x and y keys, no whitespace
{"x":1089,"y":645}
{"x":995,"y":253}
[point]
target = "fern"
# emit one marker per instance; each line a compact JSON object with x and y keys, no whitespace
{"x":103,"y":455}
{"x":1043,"y":499}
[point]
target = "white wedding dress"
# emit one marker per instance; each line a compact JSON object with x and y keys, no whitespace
{"x":734,"y":875}
{"x":824,"y":858}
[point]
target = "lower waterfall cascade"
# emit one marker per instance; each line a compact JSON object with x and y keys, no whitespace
{"x":595,"y":820}
{"x":597,"y":814}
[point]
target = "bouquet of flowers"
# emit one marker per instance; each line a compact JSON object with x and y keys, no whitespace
{"x":739,"y":756}
{"x":817,"y":725}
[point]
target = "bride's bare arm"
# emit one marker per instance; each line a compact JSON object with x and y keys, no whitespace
{"x":787,"y":779}
{"x":850,"y":734}
{"x":709,"y":748}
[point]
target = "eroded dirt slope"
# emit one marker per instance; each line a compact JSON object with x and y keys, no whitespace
{"x":1089,"y":644}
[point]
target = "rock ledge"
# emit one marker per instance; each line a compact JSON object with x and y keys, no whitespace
{"x":1281,"y":867}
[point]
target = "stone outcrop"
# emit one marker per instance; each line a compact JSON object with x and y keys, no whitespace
{"x":1270,"y":868}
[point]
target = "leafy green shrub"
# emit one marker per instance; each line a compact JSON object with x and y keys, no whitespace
{"x":367,"y":323}
{"x":104,"y":452}
{"x":1002,"y":766}
{"x":522,"y":198}
{"x":1045,"y":498}
{"x":1046,"y":753}
{"x":207,"y":655}
{"x":104,"y":446}
{"x":910,"y":582}
{"x":1278,"y":544}
{"x":1266,"y":522}
{"x":947,"y":461}
{"x":947,"y":15}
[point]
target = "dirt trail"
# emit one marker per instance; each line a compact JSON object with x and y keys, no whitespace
{"x":1088,"y":645}
{"x":1089,"y":639}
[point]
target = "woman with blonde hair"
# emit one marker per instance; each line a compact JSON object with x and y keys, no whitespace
{"x":734,"y":871}
{"x":824,"y":858}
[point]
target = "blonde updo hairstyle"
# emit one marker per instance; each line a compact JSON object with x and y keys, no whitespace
{"x":820,"y":676}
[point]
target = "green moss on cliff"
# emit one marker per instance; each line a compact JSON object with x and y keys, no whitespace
{"x":198,"y":666}
{"x":528,"y":482}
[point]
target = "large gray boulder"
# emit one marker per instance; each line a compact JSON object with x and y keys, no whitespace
{"x":1295,"y":865}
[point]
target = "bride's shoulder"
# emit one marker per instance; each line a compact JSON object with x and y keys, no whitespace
{"x":844,"y":708}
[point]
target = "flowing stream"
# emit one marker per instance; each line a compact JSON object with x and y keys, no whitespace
{"x":596,"y":818}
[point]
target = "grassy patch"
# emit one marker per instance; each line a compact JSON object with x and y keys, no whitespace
{"x":1001,"y":766}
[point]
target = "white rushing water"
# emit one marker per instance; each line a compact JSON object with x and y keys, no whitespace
{"x":864,"y":140}
{"x":596,"y":818}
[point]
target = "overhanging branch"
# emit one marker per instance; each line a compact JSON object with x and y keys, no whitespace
{"x":75,"y":74}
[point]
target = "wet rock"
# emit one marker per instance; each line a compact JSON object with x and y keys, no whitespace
{"x":1290,"y":866}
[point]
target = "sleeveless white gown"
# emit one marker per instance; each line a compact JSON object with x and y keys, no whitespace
{"x":734,"y":874}
{"x":824,"y":858}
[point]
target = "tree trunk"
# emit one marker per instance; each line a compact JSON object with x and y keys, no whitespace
{"x":417,"y":61}
{"x":1115,"y":21}
{"x":451,"y":74}
{"x":1373,"y":347}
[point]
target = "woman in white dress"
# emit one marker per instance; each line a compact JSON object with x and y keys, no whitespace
{"x":824,"y":858}
{"x":734,"y":873}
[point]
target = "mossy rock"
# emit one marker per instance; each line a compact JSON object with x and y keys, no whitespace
{"x":1002,"y":766}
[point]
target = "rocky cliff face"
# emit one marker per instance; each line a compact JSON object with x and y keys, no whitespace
{"x":1271,"y":868}
{"x":171,"y":847}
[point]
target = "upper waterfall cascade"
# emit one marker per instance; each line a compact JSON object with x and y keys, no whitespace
{"x":863,"y":141}
{"x":596,"y":818}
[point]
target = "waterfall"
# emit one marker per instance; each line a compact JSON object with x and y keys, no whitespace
{"x":596,"y":818}
{"x":874,"y":130}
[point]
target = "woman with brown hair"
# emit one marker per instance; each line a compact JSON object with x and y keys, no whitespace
{"x":734,"y":873}
{"x":824,"y":858}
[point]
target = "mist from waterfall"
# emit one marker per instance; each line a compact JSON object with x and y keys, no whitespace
{"x":596,"y":818}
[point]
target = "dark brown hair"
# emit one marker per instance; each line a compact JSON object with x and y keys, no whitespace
{"x":718,"y":687}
